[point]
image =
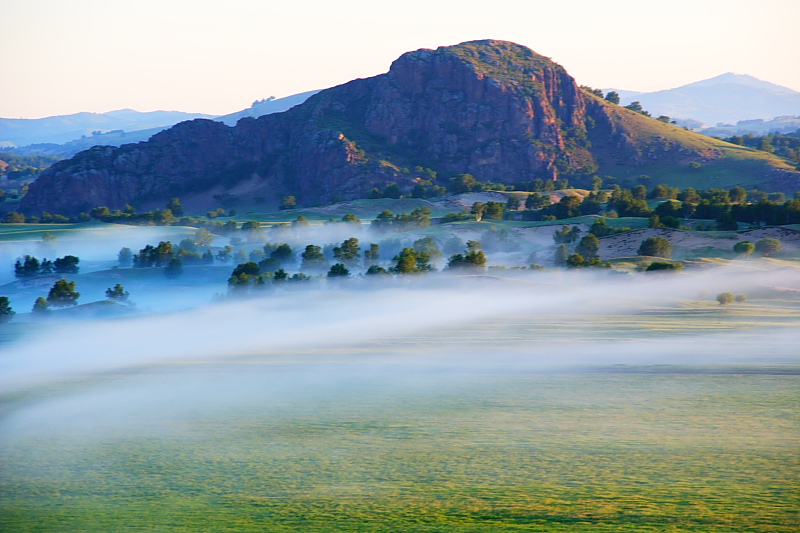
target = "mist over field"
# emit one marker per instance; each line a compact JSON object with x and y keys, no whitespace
{"x":424,"y":321}
{"x":333,"y":401}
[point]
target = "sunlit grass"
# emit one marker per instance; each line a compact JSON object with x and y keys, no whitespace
{"x":554,"y":452}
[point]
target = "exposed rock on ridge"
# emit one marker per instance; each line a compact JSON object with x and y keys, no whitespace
{"x":493,"y":109}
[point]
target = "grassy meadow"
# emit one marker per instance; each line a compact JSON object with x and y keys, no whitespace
{"x":431,"y":431}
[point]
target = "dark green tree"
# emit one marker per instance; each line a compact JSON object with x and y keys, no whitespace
{"x":312,"y":258}
{"x":768,"y":246}
{"x":656,"y":247}
{"x":175,"y":206}
{"x":350,"y":218}
{"x":462,"y":183}
{"x":589,"y":247}
{"x":282,"y":253}
{"x":383,"y":221}
{"x":63,"y":294}
{"x":27,"y":268}
{"x":348,"y":252}
{"x":474,"y":258}
{"x":410,"y":261}
{"x":613,"y":97}
{"x":726,"y":298}
{"x":125,"y":257}
{"x":288,"y":202}
{"x":372,"y":254}
{"x":338,"y":270}
{"x":428,"y":245}
{"x":66,"y":265}
{"x":744,"y":247}
{"x":392,"y":191}
{"x":118,"y":293}
{"x":375,"y":269}
{"x":663,"y":266}
{"x":561,"y":255}
{"x":6,"y":312}
{"x":40,"y":306}
{"x":174,"y":268}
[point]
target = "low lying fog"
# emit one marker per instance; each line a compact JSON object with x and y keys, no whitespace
{"x":406,"y":321}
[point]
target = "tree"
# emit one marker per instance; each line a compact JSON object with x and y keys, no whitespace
{"x":428,"y":245}
{"x":350,"y":218}
{"x":63,"y":294}
{"x":575,"y":261}
{"x":125,"y":257}
{"x":462,"y":183}
{"x":40,"y":305}
{"x":375,"y":269}
{"x":6,"y":313}
{"x":725,"y":298}
{"x":280,"y":276}
{"x":663,"y":266}
{"x":27,"y":268}
{"x":738,"y":195}
{"x":348,"y":252}
{"x":301,"y":222}
{"x":637,"y":107}
{"x":474,"y":258}
{"x":282,"y":253}
{"x":174,"y":268}
{"x":253,"y":231}
{"x":372,"y":254}
{"x":410,"y":261}
{"x":288,"y":202}
{"x":312,"y":258}
{"x":383,"y":221}
{"x":100,"y":212}
{"x":566,"y":235}
{"x":175,"y":206}
{"x":561,"y":255}
{"x":478,"y":209}
{"x":118,"y":293}
{"x":392,"y":191}
{"x":744,"y":247}
{"x":656,"y":247}
{"x":494,"y":210}
{"x":46,"y":268}
{"x":589,"y":247}
{"x":203,"y":237}
{"x":338,"y":271}
{"x":768,"y":246}
{"x":66,"y":265}
{"x":613,"y":97}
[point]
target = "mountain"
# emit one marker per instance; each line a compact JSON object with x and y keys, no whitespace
{"x":65,"y":128}
{"x":725,"y":99}
{"x":267,"y":107}
{"x":492,"y":109}
{"x":38,"y":133}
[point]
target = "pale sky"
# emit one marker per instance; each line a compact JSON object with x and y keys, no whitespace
{"x":217,"y":56}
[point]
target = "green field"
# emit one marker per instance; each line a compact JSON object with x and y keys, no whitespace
{"x":554,"y":452}
{"x":434,"y":431}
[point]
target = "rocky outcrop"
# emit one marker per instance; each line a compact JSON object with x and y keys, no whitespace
{"x":493,"y":109}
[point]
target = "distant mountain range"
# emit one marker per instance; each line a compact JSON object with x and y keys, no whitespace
{"x":65,"y":128}
{"x":725,"y":99}
{"x":492,"y":109}
{"x":67,"y":135}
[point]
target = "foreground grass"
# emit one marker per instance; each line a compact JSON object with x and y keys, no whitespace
{"x":426,"y":452}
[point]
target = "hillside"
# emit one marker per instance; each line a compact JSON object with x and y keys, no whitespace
{"x":493,"y":109}
{"x":728,"y":99}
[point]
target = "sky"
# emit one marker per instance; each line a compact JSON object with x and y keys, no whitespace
{"x":218,"y":56}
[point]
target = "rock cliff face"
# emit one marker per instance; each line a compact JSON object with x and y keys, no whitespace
{"x":493,"y":109}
